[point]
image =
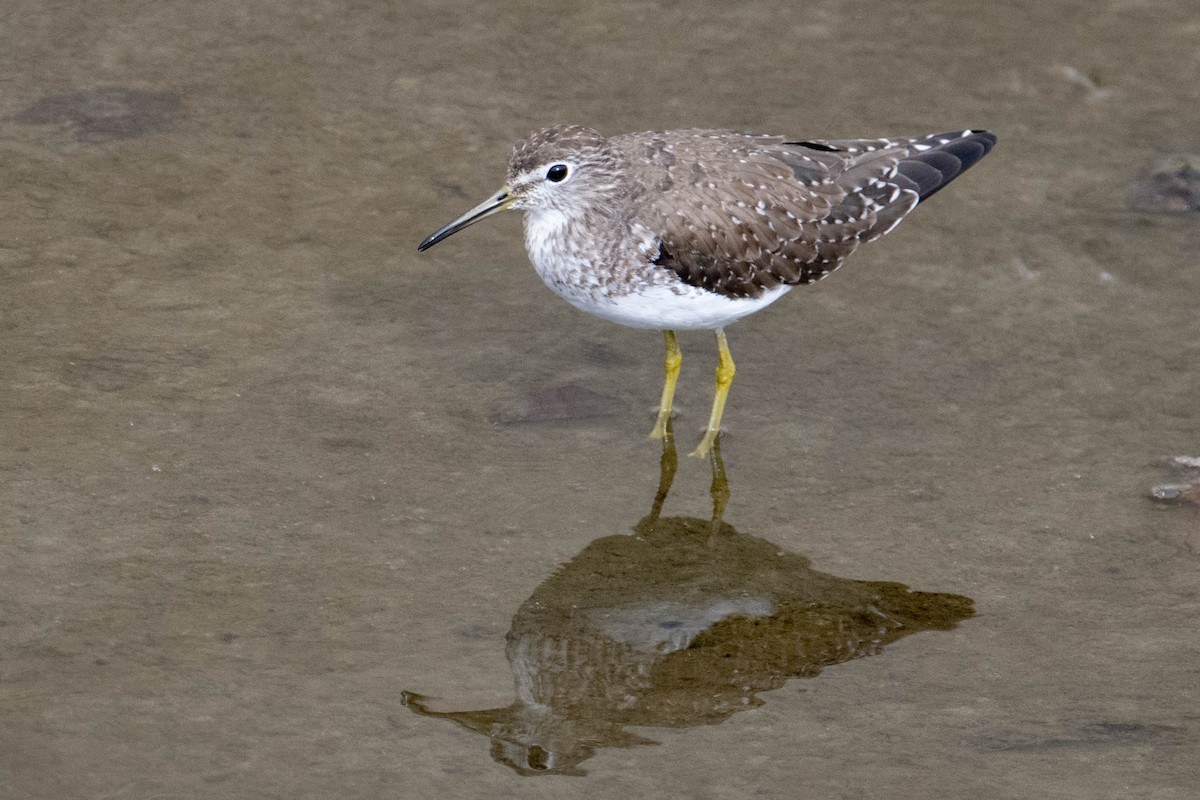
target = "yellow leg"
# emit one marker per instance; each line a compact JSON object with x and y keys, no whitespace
{"x":673,"y":360}
{"x":725,"y":372}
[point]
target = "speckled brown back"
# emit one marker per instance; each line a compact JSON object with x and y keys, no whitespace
{"x":740,"y":213}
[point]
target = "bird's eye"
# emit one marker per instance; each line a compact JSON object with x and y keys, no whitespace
{"x":557,"y":173}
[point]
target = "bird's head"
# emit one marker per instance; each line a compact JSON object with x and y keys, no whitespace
{"x":568,"y":170}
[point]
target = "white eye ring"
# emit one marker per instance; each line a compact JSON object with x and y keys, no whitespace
{"x":558,"y":173}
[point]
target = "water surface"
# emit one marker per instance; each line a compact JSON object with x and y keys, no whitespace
{"x":265,"y":468}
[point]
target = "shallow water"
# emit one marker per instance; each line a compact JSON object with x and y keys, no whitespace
{"x":265,"y":469}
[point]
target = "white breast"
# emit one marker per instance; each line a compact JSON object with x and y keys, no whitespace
{"x":595,"y":280}
{"x":556,"y":255}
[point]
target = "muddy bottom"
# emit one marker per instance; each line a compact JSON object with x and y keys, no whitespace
{"x":289,"y":510}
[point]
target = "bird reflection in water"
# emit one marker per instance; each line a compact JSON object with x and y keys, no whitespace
{"x":683,"y":623}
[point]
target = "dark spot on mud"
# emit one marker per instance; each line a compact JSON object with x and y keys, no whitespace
{"x":123,"y":367}
{"x":105,"y":115}
{"x":454,"y":190}
{"x":480,"y":632}
{"x":567,"y":403}
{"x":1086,"y":735}
{"x":1170,"y":185}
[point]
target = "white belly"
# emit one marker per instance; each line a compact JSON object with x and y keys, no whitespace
{"x":663,"y":308}
{"x":598,"y":284}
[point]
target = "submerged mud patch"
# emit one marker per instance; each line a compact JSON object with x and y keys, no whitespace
{"x":105,"y":115}
{"x":1170,"y":185}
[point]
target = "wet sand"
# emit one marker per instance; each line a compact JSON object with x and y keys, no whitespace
{"x":264,"y":468}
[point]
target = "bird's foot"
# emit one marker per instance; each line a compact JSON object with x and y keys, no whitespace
{"x":660,"y":423}
{"x":710,"y":436}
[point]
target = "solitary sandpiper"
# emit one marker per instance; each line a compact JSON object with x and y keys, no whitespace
{"x":695,"y":229}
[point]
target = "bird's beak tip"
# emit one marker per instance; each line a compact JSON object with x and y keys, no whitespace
{"x":500,"y":201}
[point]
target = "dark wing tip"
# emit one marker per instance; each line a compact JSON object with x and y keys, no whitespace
{"x":934,"y":161}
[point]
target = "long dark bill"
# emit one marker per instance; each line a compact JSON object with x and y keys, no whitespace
{"x":500,"y":201}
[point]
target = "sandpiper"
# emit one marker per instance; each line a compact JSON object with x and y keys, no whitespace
{"x":695,"y":229}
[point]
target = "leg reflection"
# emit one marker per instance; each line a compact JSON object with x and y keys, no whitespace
{"x":669,"y":464}
{"x":666,"y":474}
{"x":719,"y":488}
